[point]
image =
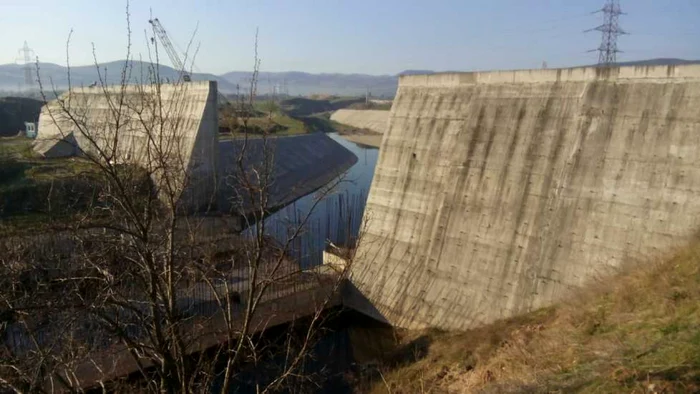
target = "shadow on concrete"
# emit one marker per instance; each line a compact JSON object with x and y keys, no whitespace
{"x":354,"y":299}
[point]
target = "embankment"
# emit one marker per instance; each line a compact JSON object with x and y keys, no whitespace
{"x":362,"y":119}
{"x":300,"y":165}
{"x":497,"y":193}
{"x":371,"y":124}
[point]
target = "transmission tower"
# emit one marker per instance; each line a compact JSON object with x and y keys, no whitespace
{"x":610,"y":29}
{"x":25,"y":57}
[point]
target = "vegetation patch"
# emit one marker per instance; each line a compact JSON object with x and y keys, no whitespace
{"x":635,"y":332}
{"x":38,"y":193}
{"x":266,"y":117}
{"x":291,"y":116}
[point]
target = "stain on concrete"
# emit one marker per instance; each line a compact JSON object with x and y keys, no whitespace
{"x":525,"y":185}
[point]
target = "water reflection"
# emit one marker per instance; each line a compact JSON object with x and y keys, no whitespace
{"x":336,"y":217}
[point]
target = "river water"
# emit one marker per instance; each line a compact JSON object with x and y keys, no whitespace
{"x":335,"y":216}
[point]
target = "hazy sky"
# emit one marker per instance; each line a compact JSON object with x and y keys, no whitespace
{"x":353,"y":36}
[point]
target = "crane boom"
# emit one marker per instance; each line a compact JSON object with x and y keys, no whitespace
{"x":169,"y":48}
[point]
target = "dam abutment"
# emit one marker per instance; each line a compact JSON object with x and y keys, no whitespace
{"x":497,"y":193}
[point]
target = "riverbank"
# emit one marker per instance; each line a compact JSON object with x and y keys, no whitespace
{"x":364,"y":127}
{"x":363,"y":137}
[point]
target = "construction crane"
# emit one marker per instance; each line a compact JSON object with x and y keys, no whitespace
{"x":172,"y":54}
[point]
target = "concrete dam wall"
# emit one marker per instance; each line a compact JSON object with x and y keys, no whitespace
{"x":497,"y":193}
{"x":83,"y":121}
{"x":362,"y":119}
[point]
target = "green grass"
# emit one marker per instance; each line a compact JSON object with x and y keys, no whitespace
{"x":35,"y":192}
{"x":15,"y":148}
{"x":279,"y":125}
{"x":270,"y":118}
{"x":22,"y":165}
{"x":294,"y":116}
{"x":293,"y":126}
{"x":633,"y":333}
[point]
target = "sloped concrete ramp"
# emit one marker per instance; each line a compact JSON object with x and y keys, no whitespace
{"x":299,"y":165}
{"x":497,"y":193}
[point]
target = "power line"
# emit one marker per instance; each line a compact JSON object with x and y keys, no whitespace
{"x":610,"y":29}
{"x":26,"y":58}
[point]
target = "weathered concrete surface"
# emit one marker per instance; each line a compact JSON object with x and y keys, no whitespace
{"x":496,"y":193}
{"x":300,"y":165}
{"x":362,"y":119}
{"x":186,"y":137}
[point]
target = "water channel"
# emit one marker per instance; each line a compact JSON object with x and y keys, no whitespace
{"x":335,"y":216}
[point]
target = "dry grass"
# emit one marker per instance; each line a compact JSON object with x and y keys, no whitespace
{"x":638,"y":332}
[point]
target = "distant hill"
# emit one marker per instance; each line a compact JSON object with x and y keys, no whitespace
{"x":300,"y":83}
{"x":12,"y":75}
{"x":416,"y":72}
{"x":304,"y":84}
{"x":659,"y":62}
{"x":301,"y":106}
{"x":296,"y":83}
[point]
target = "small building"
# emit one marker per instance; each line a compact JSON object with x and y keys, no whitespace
{"x":30,"y":129}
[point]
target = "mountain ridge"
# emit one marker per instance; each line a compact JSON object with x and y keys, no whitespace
{"x":12,"y":75}
{"x":294,"y":83}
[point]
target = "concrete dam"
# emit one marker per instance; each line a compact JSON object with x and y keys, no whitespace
{"x":188,"y":140}
{"x":496,"y":193}
{"x":83,"y":121}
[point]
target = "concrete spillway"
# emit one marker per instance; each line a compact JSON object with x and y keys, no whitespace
{"x":496,"y":193}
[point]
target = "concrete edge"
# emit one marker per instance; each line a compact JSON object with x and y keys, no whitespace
{"x":578,"y":74}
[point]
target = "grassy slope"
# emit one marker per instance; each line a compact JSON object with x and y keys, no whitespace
{"x":278,"y":125}
{"x":297,"y":115}
{"x":26,"y":181}
{"x":638,"y":332}
{"x":18,"y":150}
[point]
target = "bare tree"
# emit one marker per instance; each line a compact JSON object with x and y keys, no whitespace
{"x":148,"y":281}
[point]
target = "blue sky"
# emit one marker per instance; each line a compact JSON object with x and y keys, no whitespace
{"x":353,"y":36}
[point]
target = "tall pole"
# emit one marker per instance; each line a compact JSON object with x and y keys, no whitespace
{"x":26,"y":58}
{"x":610,"y":29}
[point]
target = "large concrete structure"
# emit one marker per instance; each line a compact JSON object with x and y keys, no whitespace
{"x":495,"y":193}
{"x":373,"y":120}
{"x":171,"y":129}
